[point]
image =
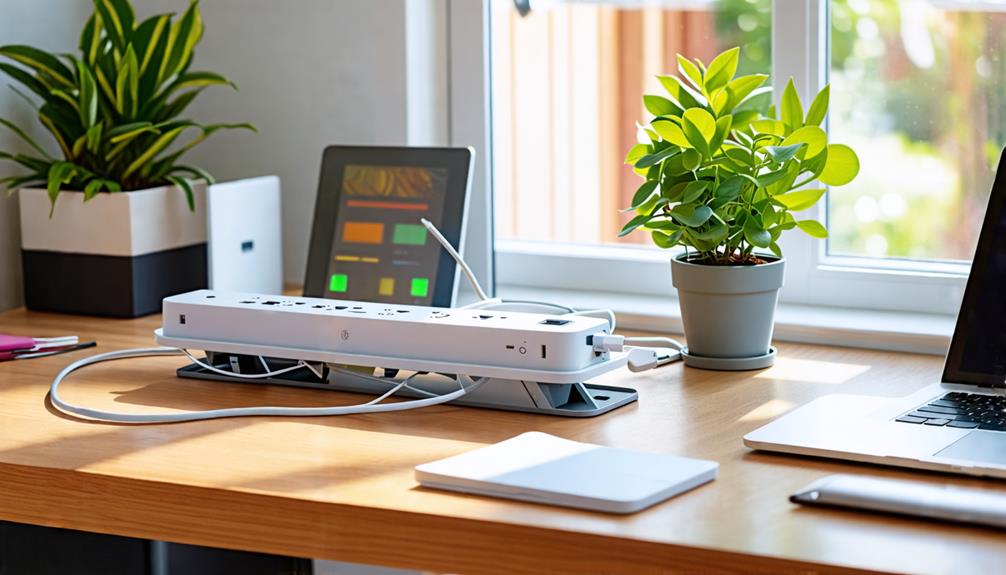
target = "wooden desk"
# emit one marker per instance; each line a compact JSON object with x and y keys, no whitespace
{"x":342,"y":487}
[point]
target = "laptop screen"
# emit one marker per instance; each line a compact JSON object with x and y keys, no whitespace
{"x":978,"y":349}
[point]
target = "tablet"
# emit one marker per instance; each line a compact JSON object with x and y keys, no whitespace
{"x":367,"y":241}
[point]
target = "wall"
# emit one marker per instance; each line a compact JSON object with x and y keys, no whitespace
{"x":54,"y":24}
{"x":310,"y":73}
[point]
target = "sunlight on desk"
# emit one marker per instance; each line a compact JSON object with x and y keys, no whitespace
{"x":313,"y":465}
{"x":812,"y":371}
{"x":768,"y":410}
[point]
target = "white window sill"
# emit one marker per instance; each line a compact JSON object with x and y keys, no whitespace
{"x":886,"y":330}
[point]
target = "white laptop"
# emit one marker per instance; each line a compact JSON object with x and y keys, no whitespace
{"x":958,"y":425}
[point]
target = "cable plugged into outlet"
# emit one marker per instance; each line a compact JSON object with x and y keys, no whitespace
{"x":644,"y":352}
{"x":603,"y":342}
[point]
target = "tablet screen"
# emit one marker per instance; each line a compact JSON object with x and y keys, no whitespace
{"x":380,"y":250}
{"x":367,"y":241}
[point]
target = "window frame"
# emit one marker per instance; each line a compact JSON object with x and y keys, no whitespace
{"x":800,"y":49}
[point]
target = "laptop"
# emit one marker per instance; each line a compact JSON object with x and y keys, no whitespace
{"x":958,"y":425}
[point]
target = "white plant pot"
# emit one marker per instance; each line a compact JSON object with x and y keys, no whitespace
{"x":115,"y":255}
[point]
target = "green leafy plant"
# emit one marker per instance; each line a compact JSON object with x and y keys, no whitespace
{"x":723,"y":174}
{"x":114,"y":109}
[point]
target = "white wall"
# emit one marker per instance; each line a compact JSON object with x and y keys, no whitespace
{"x":54,"y":25}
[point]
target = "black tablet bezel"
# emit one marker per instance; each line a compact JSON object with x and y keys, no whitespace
{"x":458,"y":162}
{"x":952,"y":372}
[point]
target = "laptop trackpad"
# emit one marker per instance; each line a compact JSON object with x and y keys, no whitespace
{"x":982,"y":446}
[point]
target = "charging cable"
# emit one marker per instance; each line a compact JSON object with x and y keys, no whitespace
{"x":487,"y":303}
{"x":457,"y":258}
{"x":644,"y":352}
{"x":466,"y":385}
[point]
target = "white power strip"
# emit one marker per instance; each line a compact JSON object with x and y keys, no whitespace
{"x":474,"y":342}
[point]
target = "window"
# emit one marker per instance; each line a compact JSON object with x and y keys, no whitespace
{"x":567,"y":91}
{"x":917,"y":90}
{"x":913,"y":90}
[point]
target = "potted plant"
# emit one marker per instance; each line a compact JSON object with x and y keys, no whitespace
{"x":111,"y":223}
{"x":724,"y":175}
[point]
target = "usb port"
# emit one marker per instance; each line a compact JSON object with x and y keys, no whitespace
{"x":543,"y":352}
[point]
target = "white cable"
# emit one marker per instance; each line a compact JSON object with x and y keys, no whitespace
{"x":118,"y":417}
{"x":595,"y":312}
{"x":603,"y":342}
{"x":613,"y":342}
{"x":303,"y":364}
{"x":393,"y":390}
{"x":228,"y":373}
{"x":496,"y":303}
{"x":548,"y":305}
{"x":482,"y":303}
{"x":381,"y":380}
{"x":660,"y":355}
{"x":457,"y":258}
{"x":643,"y":354}
{"x":643,"y":341}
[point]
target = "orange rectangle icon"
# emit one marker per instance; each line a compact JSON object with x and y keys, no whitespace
{"x":363,"y":233}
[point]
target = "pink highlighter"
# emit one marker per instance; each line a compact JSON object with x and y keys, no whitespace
{"x":20,"y":347}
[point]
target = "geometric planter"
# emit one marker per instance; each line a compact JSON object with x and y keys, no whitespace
{"x":117,"y":255}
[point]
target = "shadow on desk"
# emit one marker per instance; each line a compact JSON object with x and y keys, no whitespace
{"x":198,"y":395}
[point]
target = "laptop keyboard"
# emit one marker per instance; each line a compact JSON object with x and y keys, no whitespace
{"x":963,"y":410}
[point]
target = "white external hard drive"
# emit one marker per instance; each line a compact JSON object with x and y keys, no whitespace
{"x":542,"y":468}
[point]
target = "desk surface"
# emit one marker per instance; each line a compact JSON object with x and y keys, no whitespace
{"x":343,"y":487}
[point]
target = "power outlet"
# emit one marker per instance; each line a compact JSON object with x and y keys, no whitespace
{"x":542,"y":342}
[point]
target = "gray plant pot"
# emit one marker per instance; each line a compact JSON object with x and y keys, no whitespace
{"x":728,"y":311}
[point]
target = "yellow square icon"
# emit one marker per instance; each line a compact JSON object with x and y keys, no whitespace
{"x":387,"y":286}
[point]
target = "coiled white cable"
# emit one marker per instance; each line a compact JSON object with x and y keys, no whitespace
{"x":118,"y":417}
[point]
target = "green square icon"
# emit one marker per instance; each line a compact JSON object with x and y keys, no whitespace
{"x":420,"y":287}
{"x":338,"y":283}
{"x":409,"y":234}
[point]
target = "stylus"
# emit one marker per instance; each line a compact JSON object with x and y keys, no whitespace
{"x":913,"y":498}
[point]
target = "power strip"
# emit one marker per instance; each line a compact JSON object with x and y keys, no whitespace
{"x":476,"y":342}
